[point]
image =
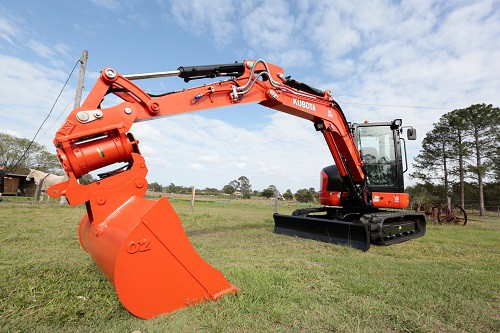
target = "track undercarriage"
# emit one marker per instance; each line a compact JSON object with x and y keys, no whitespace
{"x":353,"y":228}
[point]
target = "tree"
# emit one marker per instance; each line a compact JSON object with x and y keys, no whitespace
{"x":288,"y":195}
{"x":172,"y":188}
{"x":242,"y":185}
{"x":484,"y":122}
{"x":155,"y":187}
{"x":228,"y":189}
{"x":492,"y":194}
{"x":37,"y":157}
{"x":494,"y":157}
{"x":269,"y":192}
{"x":235,"y":184}
{"x":210,"y":191}
{"x":463,"y":142}
{"x":314,"y":194}
{"x":245,"y":187}
{"x":303,"y":195}
{"x":458,"y":123}
{"x":432,"y":163}
{"x":493,"y":154}
{"x":273,"y":188}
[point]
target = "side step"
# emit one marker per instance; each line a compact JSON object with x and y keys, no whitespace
{"x":354,"y":234}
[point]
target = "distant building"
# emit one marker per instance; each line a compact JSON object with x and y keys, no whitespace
{"x":16,"y":184}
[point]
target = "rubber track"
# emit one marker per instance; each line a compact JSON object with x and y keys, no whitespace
{"x":376,"y":222}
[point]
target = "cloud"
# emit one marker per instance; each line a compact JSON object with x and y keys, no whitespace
{"x":8,"y":30}
{"x":202,"y":17}
{"x":197,"y":166}
{"x":148,"y":151}
{"x":409,"y":53}
{"x":9,"y":26}
{"x":51,"y":53}
{"x":41,"y":49}
{"x":11,"y":31}
{"x":62,"y":49}
{"x":263,"y":29}
{"x":267,"y":34}
{"x":238,"y":165}
{"x":209,"y":158}
{"x":271,"y":36}
{"x":10,"y":132}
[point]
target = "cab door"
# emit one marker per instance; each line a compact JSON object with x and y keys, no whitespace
{"x":380,"y":151}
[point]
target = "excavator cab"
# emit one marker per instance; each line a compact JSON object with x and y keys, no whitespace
{"x":380,"y":147}
{"x":382,"y":150}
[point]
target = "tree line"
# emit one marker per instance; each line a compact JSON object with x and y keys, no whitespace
{"x":460,"y":158}
{"x":37,"y":157}
{"x":240,"y":187}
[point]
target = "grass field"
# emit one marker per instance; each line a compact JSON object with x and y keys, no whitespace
{"x":446,"y":281}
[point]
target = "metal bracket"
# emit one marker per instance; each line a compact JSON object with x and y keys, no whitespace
{"x":88,"y":116}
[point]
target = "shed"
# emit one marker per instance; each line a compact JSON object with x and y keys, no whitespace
{"x":16,"y":184}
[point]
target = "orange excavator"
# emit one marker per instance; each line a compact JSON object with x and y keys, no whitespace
{"x":140,"y":245}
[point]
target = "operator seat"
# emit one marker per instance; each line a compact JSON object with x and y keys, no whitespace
{"x":369,"y":155}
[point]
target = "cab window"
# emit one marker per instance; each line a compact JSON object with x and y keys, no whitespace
{"x":376,"y":145}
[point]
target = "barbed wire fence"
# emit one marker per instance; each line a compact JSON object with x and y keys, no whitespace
{"x":490,"y":210}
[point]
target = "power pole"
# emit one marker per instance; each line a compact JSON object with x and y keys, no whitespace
{"x":78,"y":96}
{"x":81,"y":77}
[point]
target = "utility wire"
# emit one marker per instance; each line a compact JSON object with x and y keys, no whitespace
{"x":51,"y":109}
{"x":59,"y":116}
{"x":399,"y":106}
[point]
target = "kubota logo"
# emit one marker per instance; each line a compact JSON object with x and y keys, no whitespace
{"x":304,"y":104}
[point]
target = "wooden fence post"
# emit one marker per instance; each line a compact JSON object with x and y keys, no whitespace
{"x":38,"y":192}
{"x":276,"y":202}
{"x":192,"y":198}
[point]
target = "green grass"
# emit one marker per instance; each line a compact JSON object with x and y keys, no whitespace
{"x":446,"y":281}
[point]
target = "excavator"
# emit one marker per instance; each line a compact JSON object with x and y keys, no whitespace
{"x":140,"y":245}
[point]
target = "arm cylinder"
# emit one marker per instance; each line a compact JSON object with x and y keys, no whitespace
{"x":211,"y":71}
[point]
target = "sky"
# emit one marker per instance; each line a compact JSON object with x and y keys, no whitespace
{"x":414,"y":60}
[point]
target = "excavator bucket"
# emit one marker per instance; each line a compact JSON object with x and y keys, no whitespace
{"x":143,"y":251}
